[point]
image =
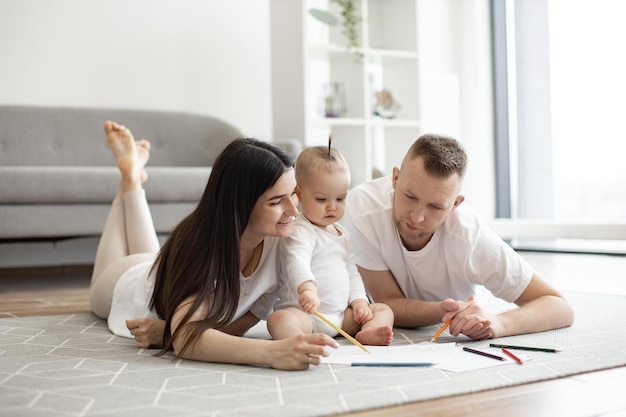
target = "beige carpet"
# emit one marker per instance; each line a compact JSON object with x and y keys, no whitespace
{"x":70,"y":365}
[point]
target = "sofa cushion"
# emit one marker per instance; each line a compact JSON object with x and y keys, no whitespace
{"x":61,"y":136}
{"x":73,"y":185}
{"x":57,"y":221}
{"x":58,"y":177}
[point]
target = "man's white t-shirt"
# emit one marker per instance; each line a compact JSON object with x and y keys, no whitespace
{"x":133,"y":291}
{"x":462,"y":255}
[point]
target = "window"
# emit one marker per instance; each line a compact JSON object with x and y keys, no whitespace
{"x":560,"y":85}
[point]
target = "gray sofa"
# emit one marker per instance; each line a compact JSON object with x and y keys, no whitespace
{"x":58,"y":177}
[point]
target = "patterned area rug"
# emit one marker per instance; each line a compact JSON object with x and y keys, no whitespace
{"x":70,"y":365}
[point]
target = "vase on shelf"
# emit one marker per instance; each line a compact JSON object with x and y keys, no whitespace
{"x":332,"y":102}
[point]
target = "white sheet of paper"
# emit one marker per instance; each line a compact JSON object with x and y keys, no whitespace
{"x":446,"y":356}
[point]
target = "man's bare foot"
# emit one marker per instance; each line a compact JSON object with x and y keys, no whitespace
{"x":131,"y":156}
{"x":380,"y":336}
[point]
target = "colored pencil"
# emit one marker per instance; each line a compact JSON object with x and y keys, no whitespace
{"x":515,"y":358}
{"x":393,"y":364}
{"x":480,"y":352}
{"x":536,"y":349}
{"x":445,"y":326}
{"x":340,"y":330}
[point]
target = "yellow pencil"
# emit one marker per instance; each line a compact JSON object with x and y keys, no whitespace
{"x":445,"y":326}
{"x":340,"y":330}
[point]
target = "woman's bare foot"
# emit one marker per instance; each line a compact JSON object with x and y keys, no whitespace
{"x":380,"y":336}
{"x":143,"y":151}
{"x":131,"y":156}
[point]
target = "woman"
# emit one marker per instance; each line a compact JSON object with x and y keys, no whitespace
{"x":217,"y":273}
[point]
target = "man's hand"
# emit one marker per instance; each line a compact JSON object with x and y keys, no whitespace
{"x":148,"y":332}
{"x":468,"y":318}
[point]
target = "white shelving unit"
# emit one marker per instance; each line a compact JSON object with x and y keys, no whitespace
{"x":306,"y":54}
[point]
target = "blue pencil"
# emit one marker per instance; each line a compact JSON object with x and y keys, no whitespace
{"x":393,"y":364}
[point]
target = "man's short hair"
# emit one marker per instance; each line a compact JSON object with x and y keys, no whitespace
{"x":443,"y":155}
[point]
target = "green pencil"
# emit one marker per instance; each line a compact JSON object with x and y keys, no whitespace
{"x":536,"y":349}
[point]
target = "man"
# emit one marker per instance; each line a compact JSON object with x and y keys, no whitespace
{"x":423,"y":253}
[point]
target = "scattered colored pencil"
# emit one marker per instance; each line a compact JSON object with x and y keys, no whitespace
{"x":480,"y":352}
{"x":393,"y":364}
{"x":340,"y":330}
{"x":536,"y":349}
{"x":512,"y":355}
{"x":445,"y":326}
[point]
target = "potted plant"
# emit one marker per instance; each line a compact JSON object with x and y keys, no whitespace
{"x":350,"y":18}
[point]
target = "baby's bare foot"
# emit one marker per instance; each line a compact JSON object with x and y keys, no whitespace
{"x":380,"y":336}
{"x":130,"y":160}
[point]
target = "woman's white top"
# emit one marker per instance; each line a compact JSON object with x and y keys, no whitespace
{"x":133,"y":291}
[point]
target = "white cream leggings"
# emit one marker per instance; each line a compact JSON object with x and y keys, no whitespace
{"x":128,"y":238}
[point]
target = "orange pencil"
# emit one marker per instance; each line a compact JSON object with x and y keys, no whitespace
{"x":445,"y":326}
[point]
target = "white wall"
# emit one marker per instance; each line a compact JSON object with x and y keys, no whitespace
{"x":455,"y":60}
{"x":212,"y":57}
{"x":203,"y":56}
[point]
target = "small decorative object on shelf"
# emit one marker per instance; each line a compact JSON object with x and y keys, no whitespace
{"x":332,"y":101}
{"x":384,"y":104}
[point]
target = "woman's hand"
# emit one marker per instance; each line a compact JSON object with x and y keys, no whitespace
{"x":298,"y":352}
{"x":148,"y":332}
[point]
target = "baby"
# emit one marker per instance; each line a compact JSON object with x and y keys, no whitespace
{"x":318,"y":272}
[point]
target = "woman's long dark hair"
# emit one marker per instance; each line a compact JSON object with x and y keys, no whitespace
{"x":201,"y":257}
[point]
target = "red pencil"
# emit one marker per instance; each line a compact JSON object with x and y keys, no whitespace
{"x":518,"y":360}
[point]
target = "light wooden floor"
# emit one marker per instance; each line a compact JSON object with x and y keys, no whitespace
{"x":43,"y":291}
{"x":61,"y":290}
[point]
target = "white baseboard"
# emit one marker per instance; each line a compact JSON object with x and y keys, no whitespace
{"x":78,"y":251}
{"x":522,"y":228}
